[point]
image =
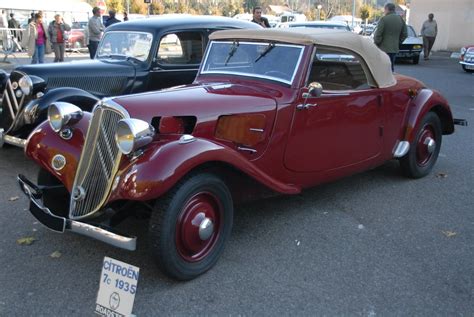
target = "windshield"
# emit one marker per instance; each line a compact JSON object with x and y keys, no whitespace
{"x":264,"y":60}
{"x":125,"y":44}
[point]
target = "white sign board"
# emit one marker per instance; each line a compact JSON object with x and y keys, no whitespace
{"x":118,"y":285}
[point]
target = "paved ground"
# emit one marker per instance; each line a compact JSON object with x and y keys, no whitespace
{"x":371,"y":244}
{"x":21,"y":58}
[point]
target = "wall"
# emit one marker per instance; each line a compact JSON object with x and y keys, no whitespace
{"x":455,"y":20}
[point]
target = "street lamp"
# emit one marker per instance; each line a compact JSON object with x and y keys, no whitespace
{"x":319,"y":10}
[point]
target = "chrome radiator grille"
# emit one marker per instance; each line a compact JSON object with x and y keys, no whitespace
{"x":99,"y":162}
{"x":11,"y":105}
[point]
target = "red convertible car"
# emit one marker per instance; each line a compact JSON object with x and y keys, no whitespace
{"x":270,"y":111}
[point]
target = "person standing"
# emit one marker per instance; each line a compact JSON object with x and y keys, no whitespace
{"x":391,"y":32}
{"x":37,"y":40}
{"x":15,"y":25}
{"x":56,"y":31}
{"x":95,"y":28}
{"x":125,"y":16}
{"x":111,"y":20}
{"x":257,"y":17}
{"x":429,"y":30}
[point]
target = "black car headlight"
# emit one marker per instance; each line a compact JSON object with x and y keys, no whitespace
{"x":62,"y":114}
{"x":133,"y":134}
{"x":26,"y":85}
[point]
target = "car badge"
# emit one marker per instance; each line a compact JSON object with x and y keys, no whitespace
{"x":78,"y":193}
{"x":58,"y":162}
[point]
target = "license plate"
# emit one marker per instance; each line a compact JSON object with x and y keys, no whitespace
{"x":469,"y":66}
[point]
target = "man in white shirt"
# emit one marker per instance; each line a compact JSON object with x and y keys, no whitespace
{"x":95,"y":28}
{"x":429,"y":30}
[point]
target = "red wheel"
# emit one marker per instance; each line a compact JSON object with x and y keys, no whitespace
{"x":198,"y":226}
{"x":190,"y":225}
{"x":424,"y":149}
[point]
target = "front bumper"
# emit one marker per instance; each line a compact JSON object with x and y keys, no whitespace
{"x":12,"y":140}
{"x":408,"y":53}
{"x":467,"y":65}
{"x":62,"y":224}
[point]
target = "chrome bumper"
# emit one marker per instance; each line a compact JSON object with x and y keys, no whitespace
{"x":5,"y":138}
{"x":61,"y":224}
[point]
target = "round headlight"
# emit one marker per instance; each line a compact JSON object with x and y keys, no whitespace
{"x":133,"y":134}
{"x":26,"y":85}
{"x":61,"y":114}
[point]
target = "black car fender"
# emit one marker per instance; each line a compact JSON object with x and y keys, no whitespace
{"x":78,"y":97}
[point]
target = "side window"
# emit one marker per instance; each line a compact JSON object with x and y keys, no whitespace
{"x":180,"y":48}
{"x":337,"y":70}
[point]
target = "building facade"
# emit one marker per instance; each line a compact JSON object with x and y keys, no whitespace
{"x":455,"y":20}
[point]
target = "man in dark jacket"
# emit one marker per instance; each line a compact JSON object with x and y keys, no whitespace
{"x":257,"y":17}
{"x":391,"y":31}
{"x":111,"y":20}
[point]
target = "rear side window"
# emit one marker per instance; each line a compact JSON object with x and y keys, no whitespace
{"x":337,"y":70}
{"x":181,"y":48}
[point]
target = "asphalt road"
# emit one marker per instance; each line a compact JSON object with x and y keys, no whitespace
{"x":371,"y":244}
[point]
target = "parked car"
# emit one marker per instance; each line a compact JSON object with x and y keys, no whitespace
{"x":334,"y":25}
{"x":467,"y":58}
{"x":249,"y":124}
{"x":411,"y":47}
{"x":132,"y":57}
{"x":76,"y":38}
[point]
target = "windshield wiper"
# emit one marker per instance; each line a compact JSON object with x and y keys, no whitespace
{"x":231,"y":52}
{"x":265,"y":52}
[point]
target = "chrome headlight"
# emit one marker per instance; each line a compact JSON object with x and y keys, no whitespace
{"x":26,"y":85}
{"x":61,"y":114}
{"x":133,"y":134}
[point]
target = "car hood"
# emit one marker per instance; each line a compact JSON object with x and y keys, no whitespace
{"x":204,"y":101}
{"x":413,"y":40}
{"x":102,"y":78}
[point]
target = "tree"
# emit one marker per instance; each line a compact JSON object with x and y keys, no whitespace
{"x":365,"y":12}
{"x":116,"y":5}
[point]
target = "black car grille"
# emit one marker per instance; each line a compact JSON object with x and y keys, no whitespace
{"x":102,"y":86}
{"x":99,"y":162}
{"x":11,"y":104}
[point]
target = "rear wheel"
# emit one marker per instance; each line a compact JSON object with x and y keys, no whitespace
{"x":424,"y":149}
{"x":190,"y":225}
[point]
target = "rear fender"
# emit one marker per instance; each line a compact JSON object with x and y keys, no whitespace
{"x":425,"y":101}
{"x":159,"y":169}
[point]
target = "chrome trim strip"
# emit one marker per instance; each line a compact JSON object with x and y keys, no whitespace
{"x":161,"y":70}
{"x":119,"y":241}
{"x":466,"y":63}
{"x":401,"y":149}
{"x":256,"y":130}
{"x":9,"y":84}
{"x":240,"y":148}
{"x":7,"y":98}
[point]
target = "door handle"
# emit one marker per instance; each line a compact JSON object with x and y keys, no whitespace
{"x":306,"y":106}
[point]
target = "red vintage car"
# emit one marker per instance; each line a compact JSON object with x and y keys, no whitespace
{"x":270,"y":111}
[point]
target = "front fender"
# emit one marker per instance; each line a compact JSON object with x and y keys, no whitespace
{"x":428,"y":100}
{"x":78,"y":97}
{"x":159,"y":169}
{"x":43,"y":144}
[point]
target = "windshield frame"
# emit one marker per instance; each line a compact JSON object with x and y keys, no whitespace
{"x":126,"y":56}
{"x":252,"y":75}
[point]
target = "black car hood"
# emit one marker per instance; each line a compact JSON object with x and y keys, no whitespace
{"x":106,"y":77}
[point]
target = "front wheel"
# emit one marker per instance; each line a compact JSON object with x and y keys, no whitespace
{"x":424,"y":149}
{"x":416,"y":59}
{"x":190,"y":225}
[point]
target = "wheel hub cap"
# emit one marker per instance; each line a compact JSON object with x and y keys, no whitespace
{"x":430,"y":145}
{"x":206,"y":228}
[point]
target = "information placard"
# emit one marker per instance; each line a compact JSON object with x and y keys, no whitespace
{"x":118,"y":285}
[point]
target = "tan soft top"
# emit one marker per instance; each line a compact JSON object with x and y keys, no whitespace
{"x":377,"y":61}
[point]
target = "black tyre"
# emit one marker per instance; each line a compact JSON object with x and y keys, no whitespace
{"x":190,"y":225}
{"x":57,"y":198}
{"x":424,"y":149}
{"x":416,"y":59}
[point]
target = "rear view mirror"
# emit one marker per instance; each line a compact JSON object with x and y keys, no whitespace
{"x":315,"y":89}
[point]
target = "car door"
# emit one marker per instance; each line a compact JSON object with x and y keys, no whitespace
{"x":177,"y":60}
{"x":341,"y":127}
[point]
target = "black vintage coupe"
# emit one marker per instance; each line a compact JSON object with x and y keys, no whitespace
{"x":132,"y":57}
